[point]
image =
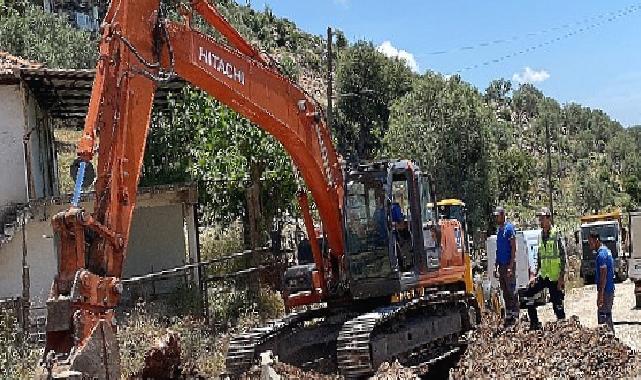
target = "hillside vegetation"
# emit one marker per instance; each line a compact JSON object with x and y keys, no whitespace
{"x":484,"y":146}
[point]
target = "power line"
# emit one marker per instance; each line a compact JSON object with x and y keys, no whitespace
{"x":551,"y":41}
{"x":528,"y":35}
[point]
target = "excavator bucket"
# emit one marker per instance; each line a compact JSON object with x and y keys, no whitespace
{"x":98,"y":359}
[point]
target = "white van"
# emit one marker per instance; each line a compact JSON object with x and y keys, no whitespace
{"x":527,"y":248}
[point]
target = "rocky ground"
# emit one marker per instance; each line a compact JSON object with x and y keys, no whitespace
{"x":575,"y":348}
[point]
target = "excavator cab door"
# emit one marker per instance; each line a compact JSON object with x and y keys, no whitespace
{"x":406,"y":243}
{"x":372,"y":270}
{"x":432,"y":254}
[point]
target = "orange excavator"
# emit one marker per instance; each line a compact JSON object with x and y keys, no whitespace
{"x":391,"y":280}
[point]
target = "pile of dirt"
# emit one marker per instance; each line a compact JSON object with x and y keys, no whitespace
{"x":563,"y":349}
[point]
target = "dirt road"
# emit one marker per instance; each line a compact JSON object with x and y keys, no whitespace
{"x":582,"y":303}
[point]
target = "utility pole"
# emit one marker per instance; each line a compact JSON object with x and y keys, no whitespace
{"x":547,"y":148}
{"x":330,"y":94}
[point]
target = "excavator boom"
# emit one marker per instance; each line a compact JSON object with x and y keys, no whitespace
{"x":138,"y":48}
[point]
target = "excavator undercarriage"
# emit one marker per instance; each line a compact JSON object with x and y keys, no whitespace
{"x":355,"y":341}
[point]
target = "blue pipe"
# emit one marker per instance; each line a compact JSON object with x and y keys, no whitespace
{"x":80,"y":176}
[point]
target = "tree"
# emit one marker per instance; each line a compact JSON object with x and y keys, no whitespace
{"x":367,"y":84}
{"x":497,"y":96}
{"x":444,"y":124}
{"x":29,"y":32}
{"x":517,"y":173}
{"x":242,"y":171}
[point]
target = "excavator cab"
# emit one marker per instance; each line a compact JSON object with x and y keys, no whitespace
{"x":385,"y":246}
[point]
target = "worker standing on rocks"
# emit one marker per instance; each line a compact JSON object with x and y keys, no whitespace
{"x":550,"y":271}
{"x":604,"y":276}
{"x":506,"y":264}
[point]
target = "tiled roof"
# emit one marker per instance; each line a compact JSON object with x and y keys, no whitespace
{"x":10,"y":62}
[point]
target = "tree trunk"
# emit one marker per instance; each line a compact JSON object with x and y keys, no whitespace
{"x":254,"y":209}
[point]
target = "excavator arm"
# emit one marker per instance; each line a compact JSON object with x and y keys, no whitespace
{"x":138,"y":48}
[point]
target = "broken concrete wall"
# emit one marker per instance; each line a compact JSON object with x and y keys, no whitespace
{"x":159,"y":240}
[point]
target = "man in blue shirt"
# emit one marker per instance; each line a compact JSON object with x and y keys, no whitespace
{"x":604,"y":276}
{"x":381,"y":220}
{"x":505,"y":265}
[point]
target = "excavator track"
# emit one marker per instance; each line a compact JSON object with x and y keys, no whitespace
{"x":242,"y":347}
{"x":416,"y":331}
{"x":288,"y":337}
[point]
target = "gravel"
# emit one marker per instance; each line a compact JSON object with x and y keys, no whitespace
{"x":394,"y":371}
{"x":287,"y":372}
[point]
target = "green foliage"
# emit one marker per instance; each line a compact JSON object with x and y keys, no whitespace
{"x":204,"y":140}
{"x":29,"y":32}
{"x":516,"y":173}
{"x":290,"y":68}
{"x":444,"y":124}
{"x":595,"y":162}
{"x":244,"y":307}
{"x":367,"y":84}
{"x":497,"y":96}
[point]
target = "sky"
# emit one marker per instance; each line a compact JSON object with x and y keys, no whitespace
{"x":583,"y":51}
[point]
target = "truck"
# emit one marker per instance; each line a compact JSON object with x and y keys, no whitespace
{"x":634,"y":248}
{"x":612,"y":233}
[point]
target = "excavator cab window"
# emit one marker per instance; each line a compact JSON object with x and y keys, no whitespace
{"x":366,"y":215}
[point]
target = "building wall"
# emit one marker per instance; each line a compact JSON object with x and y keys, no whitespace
{"x":158,"y":241}
{"x":12,"y":174}
{"x":21,"y":116}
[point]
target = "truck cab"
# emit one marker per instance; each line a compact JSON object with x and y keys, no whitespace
{"x":610,"y":230}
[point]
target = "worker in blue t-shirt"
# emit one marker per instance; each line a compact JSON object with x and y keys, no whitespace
{"x":604,"y":276}
{"x":505,"y":265}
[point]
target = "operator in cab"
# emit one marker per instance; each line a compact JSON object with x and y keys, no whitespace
{"x":505,"y":265}
{"x":604,"y":276}
{"x":550,"y":271}
{"x":380,"y":219}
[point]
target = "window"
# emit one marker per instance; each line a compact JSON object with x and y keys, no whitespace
{"x":366,"y":216}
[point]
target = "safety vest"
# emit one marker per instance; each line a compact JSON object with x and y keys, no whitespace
{"x":550,"y":257}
